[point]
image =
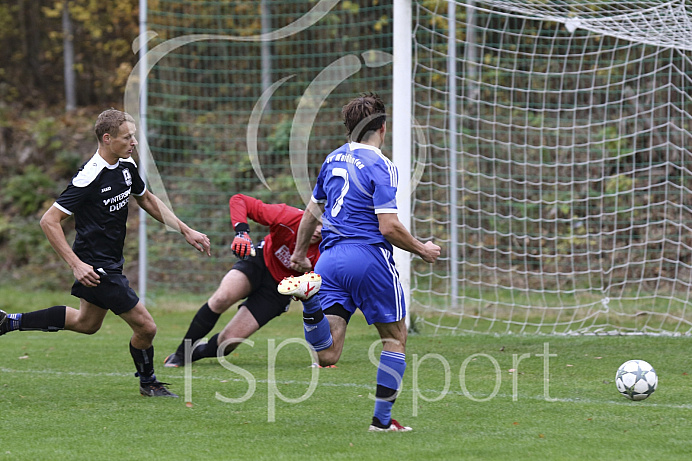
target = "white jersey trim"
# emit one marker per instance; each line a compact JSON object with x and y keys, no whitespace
{"x":386,"y":210}
{"x":360,"y":145}
{"x":62,"y":208}
{"x":93,"y":167}
{"x":143,"y":192}
{"x":393,"y":181}
{"x":91,"y":170}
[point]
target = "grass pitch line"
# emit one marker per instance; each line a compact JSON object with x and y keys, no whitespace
{"x":169,"y":377}
{"x":427,"y":392}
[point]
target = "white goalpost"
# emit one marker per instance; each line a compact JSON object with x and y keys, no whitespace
{"x":557,"y":169}
{"x":402,"y":97}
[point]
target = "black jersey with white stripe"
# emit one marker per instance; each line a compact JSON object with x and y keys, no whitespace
{"x":98,"y":196}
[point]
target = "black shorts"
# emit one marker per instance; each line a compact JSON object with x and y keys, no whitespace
{"x":339,"y":311}
{"x":113,"y":293}
{"x":264,"y":301}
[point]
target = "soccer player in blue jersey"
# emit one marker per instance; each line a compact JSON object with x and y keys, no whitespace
{"x":98,"y":197}
{"x":356,"y":197}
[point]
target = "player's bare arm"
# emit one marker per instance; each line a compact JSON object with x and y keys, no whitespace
{"x":308,"y":224}
{"x":51,"y":225}
{"x":159,"y":211}
{"x":394,"y":231}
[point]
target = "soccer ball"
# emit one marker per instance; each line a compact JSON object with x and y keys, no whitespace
{"x":636,"y":379}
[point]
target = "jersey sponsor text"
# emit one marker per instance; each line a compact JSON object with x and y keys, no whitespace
{"x":117,"y":202}
{"x":283,"y":254}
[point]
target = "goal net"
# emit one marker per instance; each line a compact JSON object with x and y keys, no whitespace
{"x":557,"y":166}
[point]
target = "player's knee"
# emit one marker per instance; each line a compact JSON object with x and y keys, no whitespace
{"x":150,"y":330}
{"x":86,"y":326}
{"x":219,"y":303}
{"x":227,"y":343}
{"x":328,"y":357}
{"x":146,"y":332}
{"x":88,"y":329}
{"x":327,"y":361}
{"x":229,"y":348}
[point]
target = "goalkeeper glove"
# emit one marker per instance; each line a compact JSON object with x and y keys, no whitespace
{"x":242,"y":243}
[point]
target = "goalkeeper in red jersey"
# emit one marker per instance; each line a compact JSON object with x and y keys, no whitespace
{"x":253,"y":279}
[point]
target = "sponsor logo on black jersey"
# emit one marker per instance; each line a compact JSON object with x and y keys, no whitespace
{"x":105,"y":189}
{"x":117,"y":202}
{"x":128,"y":176}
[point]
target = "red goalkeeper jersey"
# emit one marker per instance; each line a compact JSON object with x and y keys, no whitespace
{"x":283,"y":221}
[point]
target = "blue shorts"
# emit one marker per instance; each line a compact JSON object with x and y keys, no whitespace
{"x":113,"y":293}
{"x":362,"y":277}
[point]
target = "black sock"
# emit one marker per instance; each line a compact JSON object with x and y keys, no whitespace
{"x":144,"y":361}
{"x":206,"y":350}
{"x":51,"y":319}
{"x":202,"y":323}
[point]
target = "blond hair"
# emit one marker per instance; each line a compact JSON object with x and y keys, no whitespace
{"x":109,"y":121}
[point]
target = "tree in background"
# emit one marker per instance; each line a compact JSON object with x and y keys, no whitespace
{"x":32,"y":50}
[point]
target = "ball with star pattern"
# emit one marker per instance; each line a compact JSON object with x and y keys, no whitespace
{"x":636,"y":379}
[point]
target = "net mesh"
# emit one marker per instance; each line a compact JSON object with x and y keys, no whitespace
{"x":556,"y":179}
{"x":566,"y":205}
{"x":203,"y":93}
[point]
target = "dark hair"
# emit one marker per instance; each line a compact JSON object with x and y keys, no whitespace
{"x":109,"y":121}
{"x":363,"y":115}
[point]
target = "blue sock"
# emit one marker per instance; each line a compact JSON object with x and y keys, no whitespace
{"x":389,"y":376}
{"x":318,"y":334}
{"x":316,"y":325}
{"x":13,"y":321}
{"x":312,"y":305}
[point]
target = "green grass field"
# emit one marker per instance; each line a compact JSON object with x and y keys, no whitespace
{"x":69,"y":396}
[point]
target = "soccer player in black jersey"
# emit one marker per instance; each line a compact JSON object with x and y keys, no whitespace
{"x":98,"y":198}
